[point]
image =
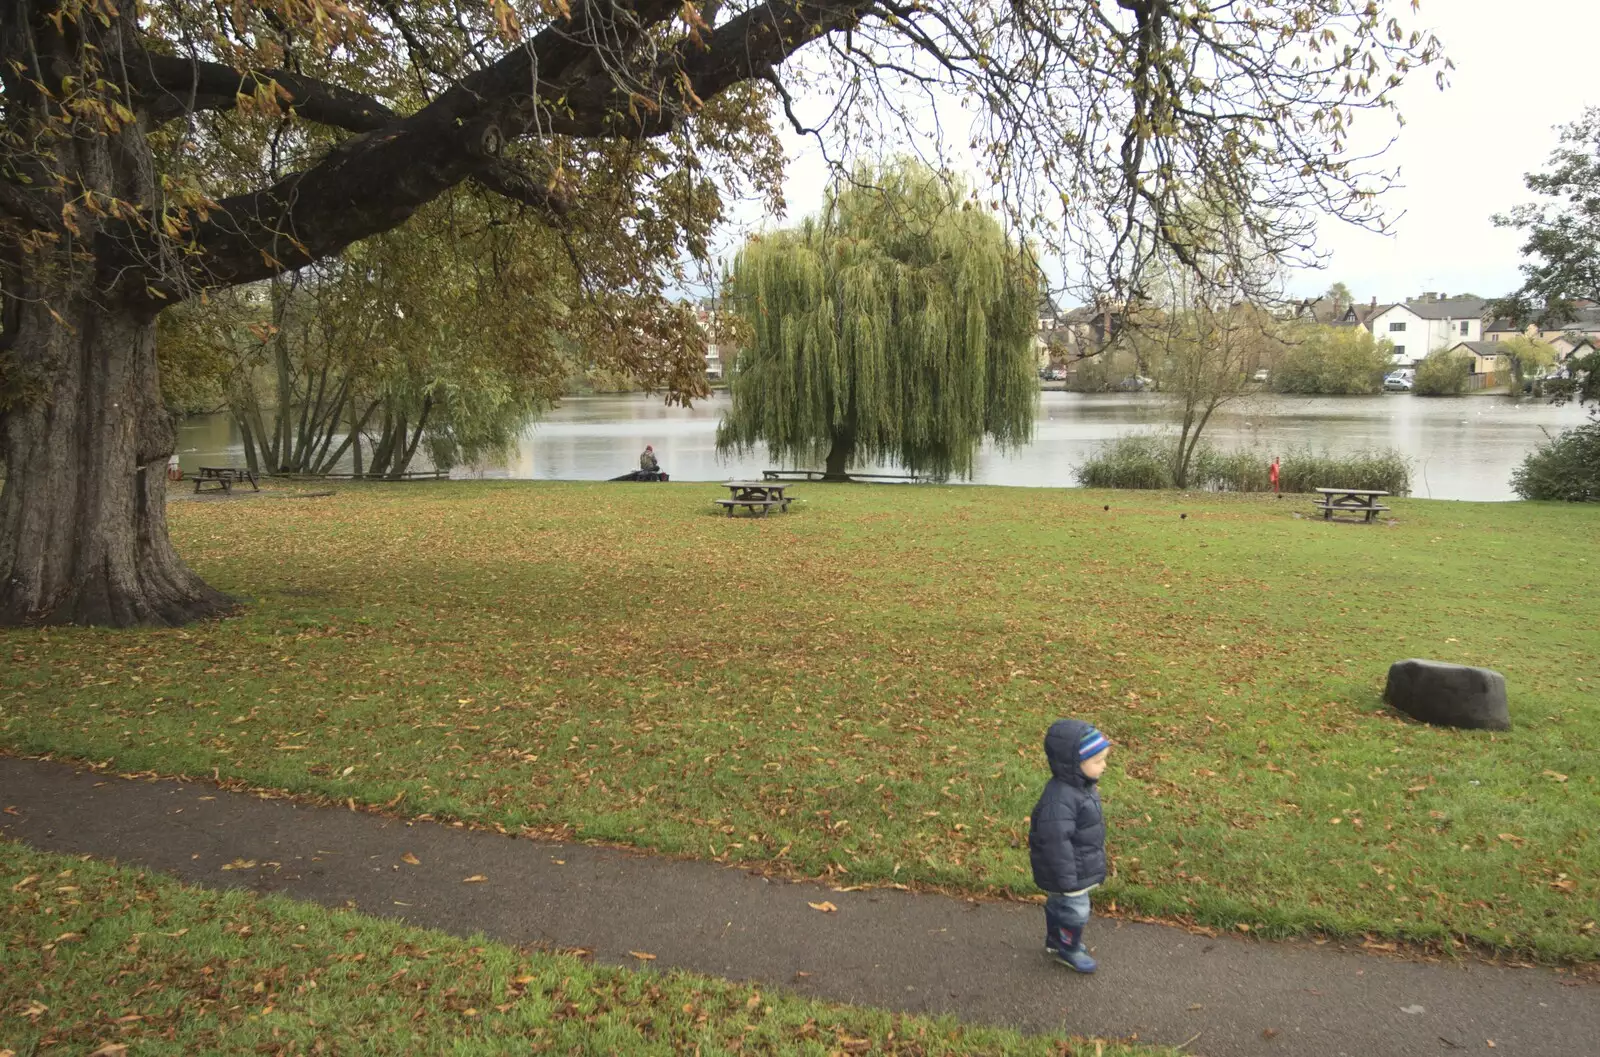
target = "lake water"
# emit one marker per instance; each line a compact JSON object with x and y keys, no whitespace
{"x":1460,"y":447}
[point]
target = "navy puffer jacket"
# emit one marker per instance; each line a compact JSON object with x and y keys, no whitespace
{"x":1067,"y":833}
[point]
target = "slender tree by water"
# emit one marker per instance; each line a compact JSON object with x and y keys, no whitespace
{"x":898,"y":326}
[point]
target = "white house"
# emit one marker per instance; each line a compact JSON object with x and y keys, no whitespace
{"x":1430,"y":322}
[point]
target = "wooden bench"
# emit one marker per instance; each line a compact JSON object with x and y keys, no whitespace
{"x":222,"y":478}
{"x":753,"y":505}
{"x":820,"y":475}
{"x":1363,"y":501}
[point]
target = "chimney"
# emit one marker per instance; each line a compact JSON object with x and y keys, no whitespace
{"x":1374,"y":300}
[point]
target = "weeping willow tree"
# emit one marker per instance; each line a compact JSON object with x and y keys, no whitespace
{"x":897,"y":326}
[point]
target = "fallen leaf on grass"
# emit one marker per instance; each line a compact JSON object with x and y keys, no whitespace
{"x":1555,"y":776}
{"x":824,"y":906}
{"x":643,"y":956}
{"x":111,"y":1049}
{"x":25,"y":882}
{"x":35,"y":1009}
{"x":1512,"y":838}
{"x":412,"y":859}
{"x":474,"y":879}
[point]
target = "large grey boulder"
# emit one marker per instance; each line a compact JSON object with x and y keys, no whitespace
{"x":1449,"y":695}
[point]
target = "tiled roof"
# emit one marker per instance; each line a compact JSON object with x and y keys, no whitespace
{"x":1450,"y":308}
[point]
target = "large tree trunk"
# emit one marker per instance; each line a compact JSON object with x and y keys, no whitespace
{"x":83,"y":517}
{"x":84,"y":434}
{"x":839,"y":458}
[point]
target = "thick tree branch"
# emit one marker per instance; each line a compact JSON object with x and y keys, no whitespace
{"x":172,"y":86}
{"x":374,"y":181}
{"x":747,"y":47}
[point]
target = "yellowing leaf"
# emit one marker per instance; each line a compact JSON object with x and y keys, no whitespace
{"x":1555,"y":776}
{"x":474,"y":879}
{"x":412,"y":859}
{"x":642,"y":956}
{"x":240,"y":864}
{"x":824,"y":906}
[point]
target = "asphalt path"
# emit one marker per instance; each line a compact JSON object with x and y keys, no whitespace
{"x":981,"y":961}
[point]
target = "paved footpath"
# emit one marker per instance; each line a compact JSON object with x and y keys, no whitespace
{"x":1225,"y":997}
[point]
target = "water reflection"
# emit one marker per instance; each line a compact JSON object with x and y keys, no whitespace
{"x":1460,"y":447}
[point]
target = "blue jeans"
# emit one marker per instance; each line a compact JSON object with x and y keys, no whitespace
{"x":1064,"y":919}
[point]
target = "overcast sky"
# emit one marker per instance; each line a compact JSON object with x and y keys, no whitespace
{"x":1521,"y":69}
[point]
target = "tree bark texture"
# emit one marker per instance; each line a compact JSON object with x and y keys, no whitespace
{"x":83,"y":516}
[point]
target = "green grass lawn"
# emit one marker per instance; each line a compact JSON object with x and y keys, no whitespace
{"x":860,"y":687}
{"x":98,"y":958}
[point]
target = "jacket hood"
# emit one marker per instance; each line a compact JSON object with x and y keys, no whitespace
{"x":1061,"y":743}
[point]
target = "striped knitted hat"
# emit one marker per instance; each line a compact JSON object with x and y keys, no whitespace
{"x":1093,"y":743}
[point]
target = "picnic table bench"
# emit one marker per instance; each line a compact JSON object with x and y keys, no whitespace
{"x":222,"y":478}
{"x":1363,"y":501}
{"x":755,"y":496}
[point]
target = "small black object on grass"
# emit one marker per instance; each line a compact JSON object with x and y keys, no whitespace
{"x":1107,"y":506}
{"x":1183,"y":517}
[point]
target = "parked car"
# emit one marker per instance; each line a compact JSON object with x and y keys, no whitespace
{"x":1399,"y":381}
{"x":1058,"y":374}
{"x":1259,"y":376}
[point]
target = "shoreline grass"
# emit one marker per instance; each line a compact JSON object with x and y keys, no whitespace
{"x":859,"y":688}
{"x":100,"y":956}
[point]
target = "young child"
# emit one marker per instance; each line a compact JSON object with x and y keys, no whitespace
{"x":1067,"y":836}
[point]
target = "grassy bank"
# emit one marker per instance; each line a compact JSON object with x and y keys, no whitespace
{"x":100,"y":957}
{"x":860,"y":687}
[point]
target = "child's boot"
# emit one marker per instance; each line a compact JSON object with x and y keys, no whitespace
{"x":1072,"y":953}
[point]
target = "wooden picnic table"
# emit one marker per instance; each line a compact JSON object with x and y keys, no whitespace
{"x":755,"y":496}
{"x":223,"y":477}
{"x":1363,"y":501}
